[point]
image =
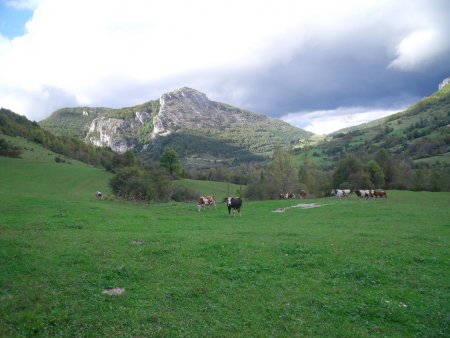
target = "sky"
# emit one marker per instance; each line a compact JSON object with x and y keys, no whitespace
{"x":320,"y":65}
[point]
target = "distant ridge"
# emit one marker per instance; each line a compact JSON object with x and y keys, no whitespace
{"x":420,"y":133}
{"x":182,"y":113}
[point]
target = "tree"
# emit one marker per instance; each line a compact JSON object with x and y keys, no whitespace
{"x":376,"y":174}
{"x":386,"y":164}
{"x":308,"y":176}
{"x":129,"y":159}
{"x":346,"y":169}
{"x":171,"y":161}
{"x":283,"y":171}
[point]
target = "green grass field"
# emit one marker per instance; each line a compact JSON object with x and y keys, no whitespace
{"x":349,"y":268}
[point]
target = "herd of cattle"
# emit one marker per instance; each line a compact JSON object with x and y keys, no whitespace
{"x":339,"y":193}
{"x":289,"y":195}
{"x":235,"y":203}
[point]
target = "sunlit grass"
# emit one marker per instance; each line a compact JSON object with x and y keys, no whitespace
{"x":351,"y":268}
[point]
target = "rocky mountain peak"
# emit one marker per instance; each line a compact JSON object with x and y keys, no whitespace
{"x":184,"y":108}
{"x":188,"y":94}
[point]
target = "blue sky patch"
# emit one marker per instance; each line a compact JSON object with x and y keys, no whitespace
{"x":12,"y":21}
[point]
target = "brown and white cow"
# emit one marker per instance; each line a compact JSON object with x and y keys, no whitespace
{"x":204,"y":201}
{"x":380,"y":194}
{"x":303,"y":194}
{"x":286,"y":195}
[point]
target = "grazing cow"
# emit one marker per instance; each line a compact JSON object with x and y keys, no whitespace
{"x":362,"y":193}
{"x":204,"y":201}
{"x":302,"y":194}
{"x":99,"y":194}
{"x":211,"y":200}
{"x":380,"y":194}
{"x":339,"y":193}
{"x":286,"y":196}
{"x":347,"y":192}
{"x":234,"y":203}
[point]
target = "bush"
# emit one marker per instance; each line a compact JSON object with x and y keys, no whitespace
{"x":8,"y":149}
{"x":137,"y":183}
{"x":182,"y":193}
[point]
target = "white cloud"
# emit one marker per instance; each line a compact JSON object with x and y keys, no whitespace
{"x":328,"y":121}
{"x":119,"y":53}
{"x":420,"y":48}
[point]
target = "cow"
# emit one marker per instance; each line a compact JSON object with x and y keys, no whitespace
{"x":286,"y":195}
{"x":204,"y":201}
{"x":99,"y":194}
{"x":234,"y":203}
{"x":362,"y":193}
{"x":347,"y":192}
{"x":380,"y":193}
{"x":302,"y":194}
{"x":339,"y":193}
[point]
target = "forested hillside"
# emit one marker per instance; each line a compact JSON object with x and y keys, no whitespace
{"x":421,"y":133}
{"x":13,"y":124}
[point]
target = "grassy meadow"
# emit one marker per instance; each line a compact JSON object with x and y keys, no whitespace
{"x":349,"y":268}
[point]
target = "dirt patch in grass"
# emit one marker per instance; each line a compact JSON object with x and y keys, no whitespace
{"x":114,"y":291}
{"x":280,"y":210}
{"x":308,"y":205}
{"x":300,"y":206}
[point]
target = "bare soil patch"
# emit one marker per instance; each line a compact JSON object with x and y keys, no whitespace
{"x":300,"y":206}
{"x":114,"y":291}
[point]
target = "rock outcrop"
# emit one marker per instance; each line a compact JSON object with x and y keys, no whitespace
{"x":188,"y":109}
{"x":118,"y":134}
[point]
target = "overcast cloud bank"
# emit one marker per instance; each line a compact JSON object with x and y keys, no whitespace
{"x":320,"y":65}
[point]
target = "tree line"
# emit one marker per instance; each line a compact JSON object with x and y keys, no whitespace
{"x":156,"y":180}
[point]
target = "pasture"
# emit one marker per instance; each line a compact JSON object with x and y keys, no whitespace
{"x":353,"y":268}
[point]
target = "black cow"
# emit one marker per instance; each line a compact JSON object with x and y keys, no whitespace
{"x":234,"y":203}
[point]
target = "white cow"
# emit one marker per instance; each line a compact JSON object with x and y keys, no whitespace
{"x":339,"y":193}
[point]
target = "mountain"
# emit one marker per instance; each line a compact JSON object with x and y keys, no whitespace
{"x":199,"y":129}
{"x":420,"y":133}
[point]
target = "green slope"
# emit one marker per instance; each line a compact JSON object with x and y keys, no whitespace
{"x":219,"y":189}
{"x":339,"y":270}
{"x":36,"y":175}
{"x":420,"y":132}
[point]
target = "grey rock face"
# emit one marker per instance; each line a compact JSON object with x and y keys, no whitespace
{"x":109,"y":132}
{"x":118,"y":134}
{"x":188,"y":109}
